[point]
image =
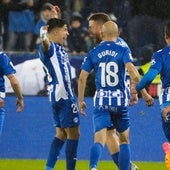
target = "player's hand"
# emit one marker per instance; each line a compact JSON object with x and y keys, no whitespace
{"x":82,"y":107}
{"x":55,"y":12}
{"x":20,"y":104}
{"x":43,"y":32}
{"x":148,"y":99}
{"x":133,"y":99}
{"x":165,"y":112}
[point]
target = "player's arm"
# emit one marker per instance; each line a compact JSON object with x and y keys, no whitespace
{"x":135,"y":78}
{"x":147,"y":79}
{"x":44,"y":38}
{"x":17,"y":89}
{"x":81,"y":89}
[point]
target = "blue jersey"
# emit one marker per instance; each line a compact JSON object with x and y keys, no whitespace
{"x":58,"y":69}
{"x":108,"y":60}
{"x":121,"y":42}
{"x":161,"y":62}
{"x":6,"y":68}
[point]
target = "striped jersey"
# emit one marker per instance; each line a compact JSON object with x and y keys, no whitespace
{"x":161,"y":62}
{"x":108,"y":60}
{"x":6,"y":68}
{"x":58,"y":70}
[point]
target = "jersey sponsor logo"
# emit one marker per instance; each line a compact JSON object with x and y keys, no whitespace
{"x":109,"y":94}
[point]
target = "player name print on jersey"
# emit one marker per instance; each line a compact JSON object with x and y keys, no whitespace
{"x":107,"y":52}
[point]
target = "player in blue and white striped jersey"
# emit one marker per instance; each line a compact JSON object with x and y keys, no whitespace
{"x":7,"y":69}
{"x":160,"y":64}
{"x":65,"y":111}
{"x":109,"y":61}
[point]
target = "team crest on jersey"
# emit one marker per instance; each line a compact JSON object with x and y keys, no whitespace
{"x":153,"y":62}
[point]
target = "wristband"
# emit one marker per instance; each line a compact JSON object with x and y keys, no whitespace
{"x":43,"y":34}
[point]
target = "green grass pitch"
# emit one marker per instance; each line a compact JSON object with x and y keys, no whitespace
{"x":22,"y":164}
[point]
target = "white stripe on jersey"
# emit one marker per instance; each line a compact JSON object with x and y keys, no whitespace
{"x":118,"y":97}
{"x":60,"y":91}
{"x":101,"y":98}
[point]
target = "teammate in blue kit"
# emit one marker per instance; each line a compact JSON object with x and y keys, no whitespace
{"x":65,"y":110}
{"x":7,"y":69}
{"x":96,"y":21}
{"x":110,"y":61}
{"x":160,"y":64}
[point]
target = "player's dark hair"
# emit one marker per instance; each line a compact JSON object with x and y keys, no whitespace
{"x":55,"y":23}
{"x":167,"y":28}
{"x":100,"y":17}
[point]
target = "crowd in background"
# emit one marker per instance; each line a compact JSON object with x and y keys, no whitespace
{"x":140,"y":22}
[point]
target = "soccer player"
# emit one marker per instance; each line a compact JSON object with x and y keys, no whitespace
{"x":96,"y":21}
{"x":7,"y":69}
{"x":110,"y":61}
{"x":63,"y":102}
{"x":160,"y":63}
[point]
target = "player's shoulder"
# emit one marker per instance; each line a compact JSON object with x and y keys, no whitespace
{"x":120,"y":41}
{"x":163,"y":51}
{"x":3,"y":56}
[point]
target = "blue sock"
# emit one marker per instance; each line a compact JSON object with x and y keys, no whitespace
{"x":71,"y":153}
{"x":2,"y":117}
{"x":56,"y":146}
{"x":124,"y":157}
{"x":115,"y":158}
{"x":95,"y":154}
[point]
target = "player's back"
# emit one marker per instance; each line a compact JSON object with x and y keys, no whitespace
{"x":109,"y":64}
{"x":109,"y":61}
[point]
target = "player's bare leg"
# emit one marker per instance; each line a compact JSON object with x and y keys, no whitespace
{"x":112,"y":138}
{"x":112,"y":143}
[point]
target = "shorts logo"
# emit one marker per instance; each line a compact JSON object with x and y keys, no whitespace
{"x":75,"y":120}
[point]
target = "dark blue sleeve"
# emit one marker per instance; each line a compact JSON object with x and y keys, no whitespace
{"x":147,"y":79}
{"x":87,"y":64}
{"x":6,"y":65}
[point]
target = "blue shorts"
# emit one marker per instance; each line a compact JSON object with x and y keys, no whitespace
{"x":120,"y":118}
{"x":65,"y":113}
{"x":101,"y":119}
{"x":166,"y":124}
{"x":107,"y":118}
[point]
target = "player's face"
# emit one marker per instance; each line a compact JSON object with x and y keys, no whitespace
{"x":61,"y":34}
{"x":95,"y":31}
{"x":46,"y":14}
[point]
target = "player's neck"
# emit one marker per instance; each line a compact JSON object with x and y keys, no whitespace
{"x":54,"y":39}
{"x":110,"y":39}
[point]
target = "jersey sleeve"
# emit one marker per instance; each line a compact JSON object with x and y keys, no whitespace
{"x":127,"y":56}
{"x":87,"y":64}
{"x":156,"y":62}
{"x":7,"y":65}
{"x":48,"y":53}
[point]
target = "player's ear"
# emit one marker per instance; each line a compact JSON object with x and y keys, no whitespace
{"x":102,"y":34}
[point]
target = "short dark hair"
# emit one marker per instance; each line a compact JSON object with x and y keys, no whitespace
{"x":100,"y":17}
{"x":167,"y":28}
{"x":55,"y":23}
